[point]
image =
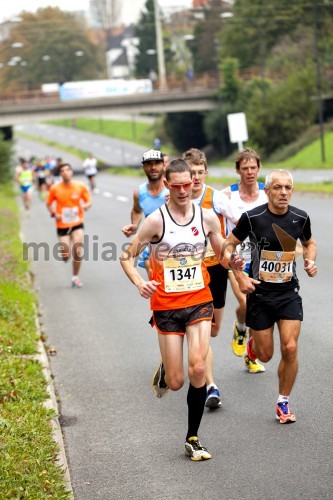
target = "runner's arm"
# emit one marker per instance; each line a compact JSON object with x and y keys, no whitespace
{"x":50,"y":203}
{"x":245,"y":283}
{"x":226,"y":191}
{"x":136,"y":216}
{"x":150,"y":228}
{"x":87,"y":200}
{"x":212,"y":227}
{"x":309,"y":255}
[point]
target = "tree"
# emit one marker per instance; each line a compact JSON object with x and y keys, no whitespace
{"x":204,"y":47}
{"x":146,"y":58}
{"x":229,"y":101}
{"x":256,"y":27}
{"x":289,"y":111}
{"x":49,"y":46}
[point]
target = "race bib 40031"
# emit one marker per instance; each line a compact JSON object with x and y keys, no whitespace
{"x":276,"y":267}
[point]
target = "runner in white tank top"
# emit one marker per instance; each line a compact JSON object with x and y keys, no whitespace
{"x":248,"y":193}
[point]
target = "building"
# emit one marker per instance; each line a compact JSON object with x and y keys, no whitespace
{"x":121,"y":52}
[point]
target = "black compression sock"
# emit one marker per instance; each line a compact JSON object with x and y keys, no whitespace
{"x":196,"y":399}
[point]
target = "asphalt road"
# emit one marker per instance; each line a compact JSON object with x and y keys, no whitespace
{"x":122,"y":153}
{"x":121,"y":441}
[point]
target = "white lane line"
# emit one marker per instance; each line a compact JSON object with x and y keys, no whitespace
{"x":124,"y":199}
{"x":107,"y":194}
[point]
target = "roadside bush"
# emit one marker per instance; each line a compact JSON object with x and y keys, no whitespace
{"x":287,"y":112}
{"x":5,"y":160}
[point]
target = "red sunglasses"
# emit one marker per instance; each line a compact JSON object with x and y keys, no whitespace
{"x":177,"y":187}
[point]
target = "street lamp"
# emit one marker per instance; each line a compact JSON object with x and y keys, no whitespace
{"x":159,"y":46}
{"x":318,"y":81}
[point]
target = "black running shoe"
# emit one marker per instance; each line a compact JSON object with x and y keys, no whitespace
{"x":159,"y":385}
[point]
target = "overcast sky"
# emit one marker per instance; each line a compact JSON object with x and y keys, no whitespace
{"x":10,"y":8}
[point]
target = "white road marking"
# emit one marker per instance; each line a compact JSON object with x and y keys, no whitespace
{"x":107,"y":194}
{"x":124,"y":199}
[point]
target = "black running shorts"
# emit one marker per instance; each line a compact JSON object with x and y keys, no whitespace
{"x":218,"y":284}
{"x":265,"y":309}
{"x":175,"y":321}
{"x":67,"y":231}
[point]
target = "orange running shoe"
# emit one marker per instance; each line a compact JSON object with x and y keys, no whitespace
{"x":283,"y":414}
{"x":76,"y":283}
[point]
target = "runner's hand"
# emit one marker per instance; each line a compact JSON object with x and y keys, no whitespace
{"x":236,"y":262}
{"x":147,"y":288}
{"x":246,"y":284}
{"x":310,"y":267}
{"x":130,"y":230}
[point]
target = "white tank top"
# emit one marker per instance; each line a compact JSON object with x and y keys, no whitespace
{"x":241,"y":206}
{"x":181,"y":240}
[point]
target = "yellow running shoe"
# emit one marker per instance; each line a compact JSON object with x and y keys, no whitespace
{"x":238,"y":342}
{"x":195,"y":450}
{"x":253,"y":366}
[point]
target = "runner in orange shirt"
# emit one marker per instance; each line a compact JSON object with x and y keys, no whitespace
{"x":178,"y":289}
{"x":66,"y":202}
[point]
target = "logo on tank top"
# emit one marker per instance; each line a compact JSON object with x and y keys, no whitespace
{"x":183,"y":249}
{"x":195,"y":231}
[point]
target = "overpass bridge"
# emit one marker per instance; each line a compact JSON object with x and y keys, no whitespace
{"x":41,"y":107}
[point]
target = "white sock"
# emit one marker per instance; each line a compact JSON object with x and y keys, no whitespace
{"x":210,"y":386}
{"x":283,"y":399}
{"x":241,"y":326}
{"x":74,"y":278}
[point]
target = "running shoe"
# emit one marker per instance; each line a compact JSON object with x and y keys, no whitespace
{"x":253,"y":365}
{"x":238,"y":342}
{"x":194,"y":450}
{"x":213,"y":399}
{"x":159,"y":385}
{"x":76,"y":283}
{"x":283,"y":414}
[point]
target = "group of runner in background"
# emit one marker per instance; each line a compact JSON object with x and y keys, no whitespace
{"x":42,"y":173}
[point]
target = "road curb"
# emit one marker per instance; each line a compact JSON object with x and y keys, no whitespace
{"x":51,"y":403}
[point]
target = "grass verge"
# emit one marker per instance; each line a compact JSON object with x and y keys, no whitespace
{"x":134,"y":131}
{"x":28,"y":459}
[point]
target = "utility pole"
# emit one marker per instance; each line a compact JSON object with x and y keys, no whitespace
{"x":159,"y":47}
{"x":319,"y":96}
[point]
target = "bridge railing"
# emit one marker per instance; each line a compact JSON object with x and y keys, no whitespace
{"x":203,"y":81}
